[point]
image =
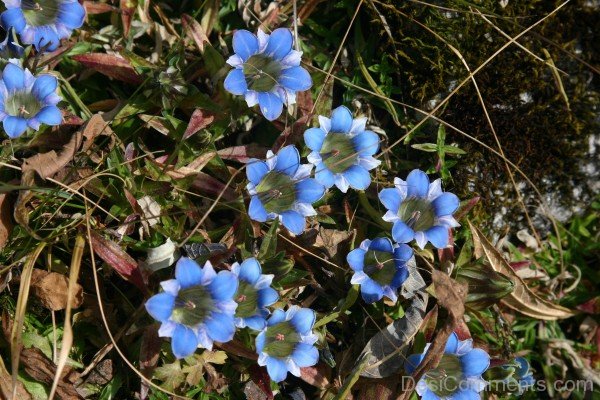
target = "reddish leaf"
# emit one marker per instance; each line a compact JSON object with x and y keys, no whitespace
{"x":95,"y":7}
{"x":517,"y":265}
{"x":199,"y":120}
{"x":446,"y":254}
{"x":465,"y":207}
{"x":209,"y":185}
{"x":110,"y":65}
{"x":118,"y":259}
{"x":195,"y":31}
{"x":292,"y":133}
{"x":317,"y":376}
{"x":261,"y":378}
{"x":243,"y":154}
{"x":591,"y":306}
{"x":127,"y":11}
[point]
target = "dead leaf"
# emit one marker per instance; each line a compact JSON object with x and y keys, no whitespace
{"x":317,"y":376}
{"x":150,"y":210}
{"x":119,"y":260}
{"x":149,"y":355}
{"x":6,"y":224}
{"x":192,"y":169}
{"x":51,"y":289}
{"x":522,"y":299}
{"x":6,"y":388}
{"x":208,"y":185}
{"x":95,"y":127}
{"x":42,"y":369}
{"x":200,"y":119}
{"x":161,"y":257}
{"x":195,"y":31}
{"x":48,"y":164}
{"x":110,"y":65}
{"x":292,"y":133}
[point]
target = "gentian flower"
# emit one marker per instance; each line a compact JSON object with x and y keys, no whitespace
{"x":513,"y":377}
{"x":287,"y":342}
{"x":523,"y":374}
{"x":281,"y":188}
{"x":27,"y":101}
{"x":342,"y":151}
{"x":266,"y":70}
{"x":379,"y":268}
{"x":457,"y":376}
{"x":419,"y":210}
{"x":10,"y":47}
{"x":42,"y":23}
{"x":253,"y":295}
{"x":196,"y":308}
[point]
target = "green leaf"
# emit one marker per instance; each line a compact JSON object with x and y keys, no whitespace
{"x":428,"y":147}
{"x":171,"y":375}
{"x":453,"y":150}
{"x":269,"y":243}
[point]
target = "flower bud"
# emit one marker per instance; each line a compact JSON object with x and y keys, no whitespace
{"x":486,"y":286}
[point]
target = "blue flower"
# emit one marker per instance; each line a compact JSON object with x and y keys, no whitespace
{"x":457,"y":376}
{"x":419,"y":210}
{"x":253,"y":295}
{"x":287,"y":342}
{"x":342,"y":151}
{"x":522,"y":374}
{"x":379,"y":268}
{"x":10,"y":47}
{"x":27,"y":101}
{"x":196,"y":308}
{"x":42,"y":23}
{"x":266,"y":70}
{"x":280,"y":187}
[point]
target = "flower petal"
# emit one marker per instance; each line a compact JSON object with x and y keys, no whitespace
{"x":277,"y":317}
{"x":280,"y":43}
{"x":256,"y":210}
{"x":235,"y":82}
{"x":391,"y":199}
{"x":324,"y":176}
{"x":71,"y":14}
{"x":399,"y":278}
{"x":295,"y":78}
{"x":13,"y":18}
{"x":188,"y":273}
{"x":293,"y":221}
{"x":288,"y":160}
{"x":303,"y":320}
{"x":13,"y":77}
{"x":382,"y":244}
{"x":260,"y":341}
{"x":341,"y":120}
{"x":417,"y":183}
{"x":14,"y":126}
{"x":438,"y":236}
{"x":305,"y":355}
{"x":160,"y":306}
{"x":224,"y":286}
{"x":466,"y":394}
{"x":267,"y":296}
{"x":451,"y":344}
{"x":402,"y":233}
{"x":403,"y":252}
{"x":220,"y":327}
{"x":50,"y":115}
{"x":412,"y":362}
{"x":245,"y":44}
{"x":475,"y":362}
{"x":270,"y":104}
{"x":314,"y":138}
{"x":44,"y":85}
{"x":366,"y":143}
{"x":358,"y":177}
{"x":445,"y":204}
{"x":46,"y":38}
{"x":371,"y":291}
{"x":250,"y":271}
{"x":256,"y":170}
{"x":184,"y":341}
{"x":256,"y":322}
{"x":356,"y":259}
{"x":276,"y":368}
{"x":309,"y":191}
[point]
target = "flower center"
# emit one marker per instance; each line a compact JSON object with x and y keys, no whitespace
{"x":338,"y":152}
{"x":261,"y":72}
{"x":192,"y":306}
{"x":22,"y":104}
{"x":417,"y":213}
{"x":380,"y":266}
{"x":445,"y":379}
{"x":40,"y":12}
{"x":247,"y":299}
{"x":277,"y":192}
{"x":281,"y":340}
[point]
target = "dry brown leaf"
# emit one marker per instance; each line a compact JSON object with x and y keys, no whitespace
{"x":6,"y":224}
{"x":51,"y":289}
{"x":48,"y":164}
{"x":110,"y":65}
{"x":195,"y":31}
{"x":522,"y":299}
{"x":193,"y":168}
{"x":6,"y":389}
{"x":42,"y":369}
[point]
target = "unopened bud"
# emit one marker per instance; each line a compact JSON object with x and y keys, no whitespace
{"x":486,"y":286}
